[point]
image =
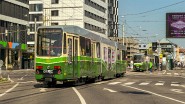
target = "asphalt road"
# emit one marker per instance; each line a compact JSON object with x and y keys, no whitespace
{"x":134,"y":88}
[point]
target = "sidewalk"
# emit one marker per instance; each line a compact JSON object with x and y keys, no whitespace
{"x":6,"y":73}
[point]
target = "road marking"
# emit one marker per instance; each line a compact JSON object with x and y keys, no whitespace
{"x":109,"y":90}
{"x":79,"y":95}
{"x":144,"y":83}
{"x":175,"y":84}
{"x":159,"y":84}
{"x":176,"y":73}
{"x":177,"y":90}
{"x":10,"y":79}
{"x":154,"y":94}
{"x":164,"y":72}
{"x":43,"y":89}
{"x":21,"y":78}
{"x":183,"y":86}
{"x":28,"y":82}
{"x":9,"y":90}
{"x":129,"y":83}
{"x":114,"y":83}
{"x":169,"y":73}
{"x":101,"y":82}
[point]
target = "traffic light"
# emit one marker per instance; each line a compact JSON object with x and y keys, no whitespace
{"x":154,"y":46}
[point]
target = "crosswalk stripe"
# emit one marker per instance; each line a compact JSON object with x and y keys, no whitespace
{"x":114,"y":83}
{"x":168,"y":73}
{"x":175,"y":85}
{"x":144,"y":83}
{"x":159,"y":84}
{"x":129,"y":83}
{"x":176,"y":73}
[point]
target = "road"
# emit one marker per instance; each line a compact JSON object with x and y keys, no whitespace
{"x":134,"y":88}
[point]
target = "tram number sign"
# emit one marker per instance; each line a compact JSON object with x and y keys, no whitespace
{"x":48,"y":71}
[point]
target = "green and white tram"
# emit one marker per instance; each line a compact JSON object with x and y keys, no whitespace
{"x":73,"y":54}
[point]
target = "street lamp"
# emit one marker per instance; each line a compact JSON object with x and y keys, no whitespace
{"x":123,"y":30}
{"x":159,"y":52}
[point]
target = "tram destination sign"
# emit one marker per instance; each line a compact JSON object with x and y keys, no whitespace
{"x":50,"y":30}
{"x":175,"y":25}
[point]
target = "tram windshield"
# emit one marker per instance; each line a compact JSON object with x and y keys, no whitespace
{"x":138,"y":58}
{"x":49,"y":42}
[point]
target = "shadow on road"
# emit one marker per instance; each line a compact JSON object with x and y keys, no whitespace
{"x":135,"y":92}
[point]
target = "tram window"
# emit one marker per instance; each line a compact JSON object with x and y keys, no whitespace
{"x":82,"y":45}
{"x":113,"y":56}
{"x":69,"y":50}
{"x":64,"y":44}
{"x":118,"y":55}
{"x":109,"y":55}
{"x":105,"y":54}
{"x":88,"y":47}
{"x":123,"y":55}
{"x":98,"y":50}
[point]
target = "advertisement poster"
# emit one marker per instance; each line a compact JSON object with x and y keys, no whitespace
{"x":175,"y":25}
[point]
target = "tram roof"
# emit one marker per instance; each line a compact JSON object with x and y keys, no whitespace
{"x":85,"y":33}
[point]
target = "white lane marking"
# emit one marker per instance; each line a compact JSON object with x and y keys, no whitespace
{"x":9,"y":90}
{"x":10,"y":79}
{"x":177,"y":90}
{"x":183,"y":86}
{"x":159,"y":84}
{"x":164,"y":72}
{"x":43,"y":89}
{"x":79,"y":95}
{"x":129,"y":83}
{"x":101,"y":82}
{"x":144,"y":83}
{"x":176,"y":73}
{"x":175,"y":85}
{"x":154,"y":94}
{"x":114,"y":83}
{"x":109,"y":90}
{"x":21,"y":78}
{"x":169,"y":73}
{"x":28,"y":82}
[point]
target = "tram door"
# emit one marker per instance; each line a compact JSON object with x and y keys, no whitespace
{"x":73,"y":56}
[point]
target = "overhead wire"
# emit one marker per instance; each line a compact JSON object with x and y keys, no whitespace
{"x":149,"y":11}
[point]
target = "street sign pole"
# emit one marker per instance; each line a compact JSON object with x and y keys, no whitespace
{"x":1,"y":64}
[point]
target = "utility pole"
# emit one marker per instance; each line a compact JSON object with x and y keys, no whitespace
{"x":159,"y":52}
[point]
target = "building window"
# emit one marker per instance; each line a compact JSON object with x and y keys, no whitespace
{"x":144,"y":45}
{"x":36,"y":7}
{"x":54,"y":1}
{"x":54,"y":23}
{"x":54,"y":13}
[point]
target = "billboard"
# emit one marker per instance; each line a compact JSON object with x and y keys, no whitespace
{"x":175,"y":25}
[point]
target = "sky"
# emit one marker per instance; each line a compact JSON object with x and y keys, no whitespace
{"x":151,"y":24}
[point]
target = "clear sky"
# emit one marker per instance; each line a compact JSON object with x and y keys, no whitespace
{"x":151,"y":23}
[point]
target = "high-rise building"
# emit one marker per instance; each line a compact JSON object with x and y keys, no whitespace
{"x":13,"y":32}
{"x":89,"y":14}
{"x":113,"y":18}
{"x":35,"y":20}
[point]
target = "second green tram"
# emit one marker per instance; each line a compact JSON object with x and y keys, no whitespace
{"x":73,"y":54}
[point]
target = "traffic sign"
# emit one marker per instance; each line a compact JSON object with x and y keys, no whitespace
{"x":161,"y":56}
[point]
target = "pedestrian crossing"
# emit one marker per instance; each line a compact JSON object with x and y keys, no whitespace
{"x":145,"y":83}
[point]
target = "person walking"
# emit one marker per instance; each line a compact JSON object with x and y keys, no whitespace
{"x":150,"y":66}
